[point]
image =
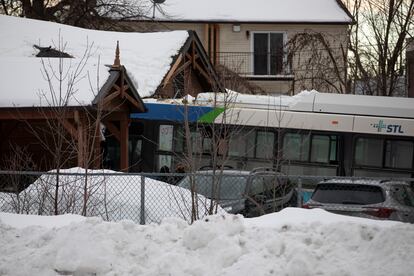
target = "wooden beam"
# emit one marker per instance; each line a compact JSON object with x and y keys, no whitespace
{"x":70,"y":128}
{"x":122,"y":84}
{"x":81,"y":140}
{"x":193,"y":58}
{"x":204,"y":73}
{"x":132,"y":101}
{"x":33,"y":113}
{"x":206,"y":37}
{"x":113,"y":129}
{"x":217,"y":45}
{"x":179,"y":70}
{"x":172,"y":70}
{"x":124,"y":162}
{"x":193,"y":54}
{"x":110,"y":97}
{"x":125,"y":87}
{"x":97,"y":154}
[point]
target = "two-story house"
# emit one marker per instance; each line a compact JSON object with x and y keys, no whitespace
{"x":251,"y":39}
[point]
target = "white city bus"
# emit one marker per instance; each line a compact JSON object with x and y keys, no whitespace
{"x":308,"y":134}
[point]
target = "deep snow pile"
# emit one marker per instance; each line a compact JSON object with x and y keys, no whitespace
{"x":111,"y":195}
{"x":291,"y":242}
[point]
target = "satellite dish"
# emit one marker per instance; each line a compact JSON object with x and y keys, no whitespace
{"x":155,"y":3}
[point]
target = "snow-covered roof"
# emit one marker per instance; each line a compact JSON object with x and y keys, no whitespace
{"x":303,"y":11}
{"x":147,"y":58}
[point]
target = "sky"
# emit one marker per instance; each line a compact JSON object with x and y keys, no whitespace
{"x":291,"y":242}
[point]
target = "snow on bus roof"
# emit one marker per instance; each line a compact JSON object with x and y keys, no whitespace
{"x":312,"y":11}
{"x":146,"y":56}
{"x":306,"y":101}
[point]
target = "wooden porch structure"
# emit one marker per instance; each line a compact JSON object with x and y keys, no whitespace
{"x":65,"y":136}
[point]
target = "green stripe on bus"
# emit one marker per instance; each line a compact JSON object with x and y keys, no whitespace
{"x":209,"y":117}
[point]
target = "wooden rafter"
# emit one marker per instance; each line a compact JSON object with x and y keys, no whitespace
{"x":132,"y":100}
{"x":193,"y":54}
{"x":179,"y":70}
{"x":70,"y":128}
{"x":192,"y":57}
{"x":173,"y":69}
{"x":32,"y":114}
{"x":203,"y":72}
{"x":112,"y":96}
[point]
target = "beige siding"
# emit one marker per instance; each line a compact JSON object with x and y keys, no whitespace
{"x":275,"y":87}
{"x":241,"y":42}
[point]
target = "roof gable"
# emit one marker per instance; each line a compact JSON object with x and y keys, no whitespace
{"x":192,"y":55}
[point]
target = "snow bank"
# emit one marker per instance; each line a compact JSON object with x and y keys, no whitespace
{"x":291,"y":242}
{"x":112,"y":195}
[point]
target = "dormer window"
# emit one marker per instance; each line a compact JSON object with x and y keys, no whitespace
{"x":49,"y":52}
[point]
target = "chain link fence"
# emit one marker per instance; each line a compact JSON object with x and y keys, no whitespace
{"x":150,"y":197}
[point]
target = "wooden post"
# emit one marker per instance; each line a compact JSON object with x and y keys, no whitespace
{"x":97,"y":155}
{"x":124,"y":163}
{"x":81,"y":140}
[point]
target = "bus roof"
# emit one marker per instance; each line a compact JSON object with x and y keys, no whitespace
{"x":356,"y":105}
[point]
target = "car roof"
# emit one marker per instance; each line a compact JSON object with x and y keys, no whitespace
{"x":219,"y":172}
{"x":364,"y":181}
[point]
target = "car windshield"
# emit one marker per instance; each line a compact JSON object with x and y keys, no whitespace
{"x":227,"y":186}
{"x":336,"y":193}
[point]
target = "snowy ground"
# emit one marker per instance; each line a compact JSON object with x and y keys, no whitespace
{"x":291,"y":242}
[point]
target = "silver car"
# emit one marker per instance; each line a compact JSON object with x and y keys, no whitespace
{"x":251,"y":193}
{"x":376,"y":199}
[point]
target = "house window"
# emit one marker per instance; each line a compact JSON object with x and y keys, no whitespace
{"x":268,"y":53}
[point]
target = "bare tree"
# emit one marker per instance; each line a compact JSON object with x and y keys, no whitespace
{"x":319,"y":61}
{"x":96,"y":14}
{"x":378,"y":43}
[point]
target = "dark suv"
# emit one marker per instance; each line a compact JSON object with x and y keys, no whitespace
{"x":251,"y":193}
{"x":377,"y":199}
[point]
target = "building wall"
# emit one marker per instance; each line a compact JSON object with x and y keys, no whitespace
{"x":410,"y":67}
{"x":241,"y":41}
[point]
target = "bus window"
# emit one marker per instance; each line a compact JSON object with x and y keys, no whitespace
{"x":368,"y":152}
{"x":196,"y":141}
{"x":165,"y":137}
{"x":333,"y":157}
{"x":242,"y":144}
{"x":323,"y":148}
{"x":264,"y":144}
{"x":320,"y":149}
{"x":296,"y":147}
{"x":179,"y":139}
{"x":399,"y":154}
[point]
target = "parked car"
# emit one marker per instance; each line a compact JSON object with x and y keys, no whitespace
{"x":376,"y":199}
{"x":251,"y":193}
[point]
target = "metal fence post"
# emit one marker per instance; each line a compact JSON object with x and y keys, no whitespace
{"x":299,"y":193}
{"x":142,"y":209}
